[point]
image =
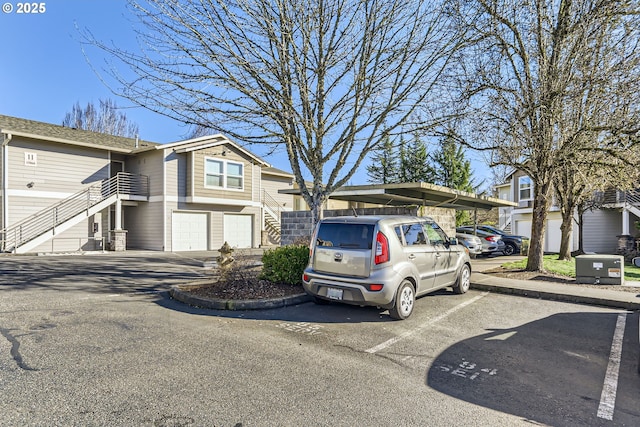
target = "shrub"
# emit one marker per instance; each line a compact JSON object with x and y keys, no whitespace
{"x":285,"y":264}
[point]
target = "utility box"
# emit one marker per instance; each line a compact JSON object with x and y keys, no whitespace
{"x":600,"y":269}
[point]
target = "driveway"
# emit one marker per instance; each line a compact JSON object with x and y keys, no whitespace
{"x":95,"y":340}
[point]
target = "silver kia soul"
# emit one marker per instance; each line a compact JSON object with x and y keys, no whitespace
{"x":383,"y":261}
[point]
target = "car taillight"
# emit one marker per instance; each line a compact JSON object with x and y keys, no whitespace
{"x":305,"y":277}
{"x":491,"y":238}
{"x":375,"y":287}
{"x":382,"y":249}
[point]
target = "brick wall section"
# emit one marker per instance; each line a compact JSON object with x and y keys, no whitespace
{"x":296,"y":225}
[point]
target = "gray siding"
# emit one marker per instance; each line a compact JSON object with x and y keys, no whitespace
{"x":144,"y":225}
{"x":77,"y":238}
{"x":600,"y":230}
{"x":58,"y":168}
{"x":150,"y":164}
{"x":271,"y":184}
{"x":144,"y":222}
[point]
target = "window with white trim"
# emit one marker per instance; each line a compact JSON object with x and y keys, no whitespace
{"x":220,"y":173}
{"x":525,"y":188}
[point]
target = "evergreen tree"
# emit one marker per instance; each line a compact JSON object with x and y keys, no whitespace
{"x":415,"y":162}
{"x":453,"y":170}
{"x":384,"y":164}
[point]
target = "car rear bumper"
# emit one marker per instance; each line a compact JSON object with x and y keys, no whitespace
{"x":354,"y":290}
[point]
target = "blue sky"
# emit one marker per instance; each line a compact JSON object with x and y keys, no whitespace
{"x":44,"y":71}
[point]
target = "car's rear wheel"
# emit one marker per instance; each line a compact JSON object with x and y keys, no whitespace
{"x":464,"y":280}
{"x":405,"y":299}
{"x":510,"y":249}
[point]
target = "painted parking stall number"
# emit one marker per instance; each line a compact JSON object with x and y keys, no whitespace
{"x":468,"y":370}
{"x":301,"y":328}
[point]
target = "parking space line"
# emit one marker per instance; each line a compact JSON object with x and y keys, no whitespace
{"x":609,"y":389}
{"x":430,"y":322}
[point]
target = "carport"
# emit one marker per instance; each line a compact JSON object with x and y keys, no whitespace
{"x":414,"y":193}
{"x":391,"y":199}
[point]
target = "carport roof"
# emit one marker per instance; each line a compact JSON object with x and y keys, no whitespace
{"x":414,"y":193}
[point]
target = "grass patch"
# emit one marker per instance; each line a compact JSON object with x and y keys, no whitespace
{"x":568,"y":268}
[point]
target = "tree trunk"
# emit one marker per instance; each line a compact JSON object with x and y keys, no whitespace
{"x":580,"y":228}
{"x":538,"y":226}
{"x":565,"y":239}
{"x":317,"y":203}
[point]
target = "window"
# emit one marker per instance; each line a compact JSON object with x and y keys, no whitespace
{"x":234,"y":175}
{"x":351,"y":236}
{"x":223,"y":174}
{"x":525,"y":188}
{"x":434,"y":233}
{"x":213,"y":173}
{"x":414,"y":234}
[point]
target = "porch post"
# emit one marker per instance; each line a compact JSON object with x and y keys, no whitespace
{"x":118,"y":235}
{"x":625,"y":221}
{"x":118,"y":219}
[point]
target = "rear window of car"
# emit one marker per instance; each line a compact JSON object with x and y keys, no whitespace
{"x":351,"y":236}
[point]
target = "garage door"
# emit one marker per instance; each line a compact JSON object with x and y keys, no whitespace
{"x":554,"y":236}
{"x":523,"y":228}
{"x":189,"y":231}
{"x":238,"y":230}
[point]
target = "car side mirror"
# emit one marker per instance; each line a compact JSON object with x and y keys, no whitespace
{"x":453,"y":241}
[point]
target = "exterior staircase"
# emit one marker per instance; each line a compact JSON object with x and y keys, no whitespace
{"x":272,"y":224}
{"x":36,"y":229}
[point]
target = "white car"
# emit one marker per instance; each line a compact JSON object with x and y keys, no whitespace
{"x":473,"y":243}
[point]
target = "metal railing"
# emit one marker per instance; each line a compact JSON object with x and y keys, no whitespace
{"x":272,"y":212}
{"x":48,"y":219}
{"x":617,"y":197}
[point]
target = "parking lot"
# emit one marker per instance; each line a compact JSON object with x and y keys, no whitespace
{"x":95,"y":340}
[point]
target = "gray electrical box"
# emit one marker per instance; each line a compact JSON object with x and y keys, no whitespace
{"x":600,"y":269}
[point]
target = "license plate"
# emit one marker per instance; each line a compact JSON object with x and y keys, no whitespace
{"x":333,"y":293}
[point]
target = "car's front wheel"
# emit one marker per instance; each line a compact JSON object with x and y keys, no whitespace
{"x":464,"y":280}
{"x":405,"y":299}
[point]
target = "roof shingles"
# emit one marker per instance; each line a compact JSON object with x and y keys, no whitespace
{"x":47,"y":131}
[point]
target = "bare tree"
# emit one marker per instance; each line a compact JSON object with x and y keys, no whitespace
{"x":329,"y":80}
{"x":106,"y":118}
{"x":595,"y":155}
{"x":524,"y":64}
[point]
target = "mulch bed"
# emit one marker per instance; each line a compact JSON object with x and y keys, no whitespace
{"x":243,"y":283}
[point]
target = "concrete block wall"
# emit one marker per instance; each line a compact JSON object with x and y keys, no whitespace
{"x":296,"y":225}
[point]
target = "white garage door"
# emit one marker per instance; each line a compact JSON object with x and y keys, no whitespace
{"x":523,"y":228}
{"x":189,"y":231}
{"x":554,"y":236}
{"x":238,"y":230}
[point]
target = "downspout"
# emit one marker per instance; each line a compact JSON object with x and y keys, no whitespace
{"x":5,"y":178}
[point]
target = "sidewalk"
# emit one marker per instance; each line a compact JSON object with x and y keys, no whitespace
{"x":549,"y":290}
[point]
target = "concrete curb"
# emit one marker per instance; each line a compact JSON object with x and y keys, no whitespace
{"x":223,"y":304}
{"x":556,"y":292}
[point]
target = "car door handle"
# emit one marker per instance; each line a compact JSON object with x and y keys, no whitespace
{"x":438,"y":254}
{"x":412,"y":256}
